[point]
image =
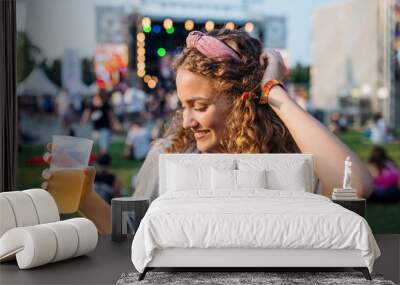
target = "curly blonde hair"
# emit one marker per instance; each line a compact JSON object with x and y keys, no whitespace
{"x":250,"y":128}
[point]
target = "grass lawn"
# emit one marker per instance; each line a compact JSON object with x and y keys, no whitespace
{"x":383,"y":218}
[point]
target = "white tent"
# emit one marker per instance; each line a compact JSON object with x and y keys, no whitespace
{"x":78,"y":87}
{"x":37,"y":84}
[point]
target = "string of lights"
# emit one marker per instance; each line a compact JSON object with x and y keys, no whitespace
{"x":148,"y":28}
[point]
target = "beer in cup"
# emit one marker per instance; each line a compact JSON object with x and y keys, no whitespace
{"x":69,"y":157}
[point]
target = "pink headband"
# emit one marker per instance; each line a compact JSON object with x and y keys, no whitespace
{"x":209,"y":46}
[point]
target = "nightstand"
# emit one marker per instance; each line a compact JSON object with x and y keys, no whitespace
{"x":124,"y":209}
{"x":357,"y":205}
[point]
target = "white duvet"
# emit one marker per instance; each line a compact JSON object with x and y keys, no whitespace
{"x":253,"y":218}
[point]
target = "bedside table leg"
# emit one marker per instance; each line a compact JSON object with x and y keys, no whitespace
{"x":364,"y":271}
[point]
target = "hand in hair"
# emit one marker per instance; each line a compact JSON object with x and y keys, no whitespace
{"x":275,"y":66}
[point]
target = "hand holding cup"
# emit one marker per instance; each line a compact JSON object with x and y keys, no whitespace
{"x":69,"y":178}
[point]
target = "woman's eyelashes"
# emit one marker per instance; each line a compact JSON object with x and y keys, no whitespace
{"x":195,"y":108}
{"x":200,"y":108}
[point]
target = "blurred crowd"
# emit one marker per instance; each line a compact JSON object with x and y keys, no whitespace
{"x":138,"y":115}
{"x":127,"y":110}
{"x":375,"y":129}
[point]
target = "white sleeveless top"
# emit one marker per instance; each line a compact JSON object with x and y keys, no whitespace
{"x":147,"y":179}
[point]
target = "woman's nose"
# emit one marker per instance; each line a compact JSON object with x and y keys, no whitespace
{"x":188,"y":120}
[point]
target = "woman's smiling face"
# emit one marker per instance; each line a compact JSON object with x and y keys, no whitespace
{"x":204,"y":111}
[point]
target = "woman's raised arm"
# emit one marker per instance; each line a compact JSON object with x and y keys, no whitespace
{"x":328,"y":151}
{"x":312,"y":137}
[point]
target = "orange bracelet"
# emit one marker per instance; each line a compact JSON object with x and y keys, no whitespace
{"x":266,"y":89}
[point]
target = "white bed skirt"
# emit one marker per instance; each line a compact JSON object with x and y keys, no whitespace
{"x":193,"y":257}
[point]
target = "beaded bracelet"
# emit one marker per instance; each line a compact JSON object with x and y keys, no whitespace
{"x":266,"y":89}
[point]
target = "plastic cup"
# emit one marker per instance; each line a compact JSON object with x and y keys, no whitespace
{"x":69,"y":157}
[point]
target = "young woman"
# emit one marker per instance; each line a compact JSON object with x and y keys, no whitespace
{"x":99,"y":111}
{"x":386,"y":176}
{"x":232,"y":101}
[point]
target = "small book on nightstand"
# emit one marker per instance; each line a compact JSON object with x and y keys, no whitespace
{"x":344,"y":194}
{"x":348,"y":199}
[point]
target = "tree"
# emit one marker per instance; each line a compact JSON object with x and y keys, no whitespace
{"x":88,"y":76}
{"x":53,"y":70}
{"x":26,"y":54}
{"x":300,"y":74}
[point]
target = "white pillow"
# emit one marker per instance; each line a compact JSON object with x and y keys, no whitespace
{"x":187,"y":177}
{"x":223,"y":179}
{"x":281,"y":174}
{"x":251,"y":179}
{"x":237,"y":179}
{"x":293,"y":179}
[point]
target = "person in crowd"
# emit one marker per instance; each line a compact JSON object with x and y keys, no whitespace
{"x":153,"y":104}
{"x":343,"y":124}
{"x":233,"y":102}
{"x":99,"y":112}
{"x":137,"y":143}
{"x":47,"y":104}
{"x":386,"y":176}
{"x":63,"y":110}
{"x":378,"y":130}
{"x":334,"y":125}
{"x":118,"y":105}
{"x":106,"y":183}
{"x":134,"y":99}
{"x":167,"y":75}
{"x":77,"y":104}
{"x":162,"y":106}
{"x":172,"y":102}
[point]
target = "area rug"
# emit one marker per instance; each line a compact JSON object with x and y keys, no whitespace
{"x":229,"y":278}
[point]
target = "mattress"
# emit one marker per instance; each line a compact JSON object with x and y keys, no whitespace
{"x":250,"y":219}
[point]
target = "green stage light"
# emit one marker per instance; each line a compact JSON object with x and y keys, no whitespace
{"x":147,"y":29}
{"x":161,"y":52}
{"x":170,"y":30}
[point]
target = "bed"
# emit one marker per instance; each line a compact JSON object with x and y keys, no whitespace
{"x":247,"y":210}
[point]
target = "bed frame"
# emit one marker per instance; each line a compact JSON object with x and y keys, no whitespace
{"x":246,"y":259}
